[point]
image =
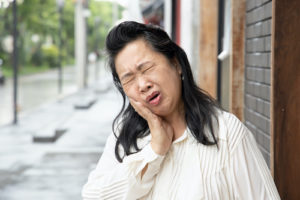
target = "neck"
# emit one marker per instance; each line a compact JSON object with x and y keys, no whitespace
{"x":177,"y":121}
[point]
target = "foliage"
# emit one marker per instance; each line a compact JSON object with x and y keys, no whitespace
{"x":99,"y":24}
{"x":25,"y":70}
{"x":38,"y":25}
{"x":50,"y":54}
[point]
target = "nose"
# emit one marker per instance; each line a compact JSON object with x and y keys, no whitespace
{"x":144,"y":84}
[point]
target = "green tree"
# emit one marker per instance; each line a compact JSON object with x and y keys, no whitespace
{"x":38,"y":26}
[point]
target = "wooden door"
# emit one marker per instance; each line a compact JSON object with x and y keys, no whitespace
{"x":286,"y":97}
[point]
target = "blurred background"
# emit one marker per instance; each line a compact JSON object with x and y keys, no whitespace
{"x":46,"y":43}
{"x":57,"y":99}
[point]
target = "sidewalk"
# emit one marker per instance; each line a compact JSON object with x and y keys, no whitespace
{"x":34,"y":90}
{"x":56,"y":170}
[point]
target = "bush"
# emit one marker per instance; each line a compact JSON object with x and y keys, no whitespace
{"x":50,"y":55}
{"x":5,"y":57}
{"x":37,"y":58}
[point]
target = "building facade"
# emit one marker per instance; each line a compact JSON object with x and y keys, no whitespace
{"x":245,"y":53}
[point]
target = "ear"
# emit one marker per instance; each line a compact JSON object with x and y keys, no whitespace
{"x":177,"y":66}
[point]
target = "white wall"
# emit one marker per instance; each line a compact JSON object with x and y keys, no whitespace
{"x":168,"y":16}
{"x":189,"y":32}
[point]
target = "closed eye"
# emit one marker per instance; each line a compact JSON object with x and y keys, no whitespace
{"x":127,"y":80}
{"x":147,"y":69}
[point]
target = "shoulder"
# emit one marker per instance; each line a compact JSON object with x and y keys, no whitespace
{"x":231,"y":129}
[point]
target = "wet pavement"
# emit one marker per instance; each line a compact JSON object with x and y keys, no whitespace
{"x":37,"y":89}
{"x":34,"y":90}
{"x":58,"y":170}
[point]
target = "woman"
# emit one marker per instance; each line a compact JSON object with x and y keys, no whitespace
{"x":171,"y":141}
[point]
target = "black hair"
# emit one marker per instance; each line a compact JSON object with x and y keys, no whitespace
{"x":200,"y":108}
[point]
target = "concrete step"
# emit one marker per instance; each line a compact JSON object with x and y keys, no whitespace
{"x":52,"y":131}
{"x":85,"y":102}
{"x":49,"y":135}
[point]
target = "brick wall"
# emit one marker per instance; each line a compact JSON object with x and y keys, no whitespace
{"x":257,"y":72}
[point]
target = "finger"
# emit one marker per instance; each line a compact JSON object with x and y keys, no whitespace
{"x":142,"y":110}
{"x":134,"y":104}
{"x":138,"y":107}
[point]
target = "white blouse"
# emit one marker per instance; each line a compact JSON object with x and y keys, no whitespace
{"x":189,"y":171}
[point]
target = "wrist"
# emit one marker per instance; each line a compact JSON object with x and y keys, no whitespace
{"x":158,"y":150}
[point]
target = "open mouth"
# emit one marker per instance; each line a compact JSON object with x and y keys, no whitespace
{"x":156,"y":95}
{"x":154,"y":98}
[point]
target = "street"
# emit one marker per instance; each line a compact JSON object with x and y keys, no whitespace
{"x":34,"y":90}
{"x":37,"y":89}
{"x":57,"y":170}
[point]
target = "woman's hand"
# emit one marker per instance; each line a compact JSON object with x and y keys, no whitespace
{"x":161,"y":132}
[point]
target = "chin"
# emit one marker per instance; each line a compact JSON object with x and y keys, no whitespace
{"x":160,"y":112}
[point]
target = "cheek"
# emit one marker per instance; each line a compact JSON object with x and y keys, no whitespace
{"x":131,"y":93}
{"x":173,"y":81}
{"x":173,"y":87}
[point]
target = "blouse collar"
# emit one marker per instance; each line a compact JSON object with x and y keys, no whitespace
{"x":182,"y":137}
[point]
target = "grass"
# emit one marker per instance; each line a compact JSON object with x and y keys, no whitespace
{"x":24,"y":70}
{"x":8,"y":71}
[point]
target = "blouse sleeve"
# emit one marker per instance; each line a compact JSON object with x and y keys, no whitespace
{"x":249,"y":173}
{"x":114,"y":180}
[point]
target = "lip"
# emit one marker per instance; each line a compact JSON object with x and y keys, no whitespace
{"x":154,"y":101}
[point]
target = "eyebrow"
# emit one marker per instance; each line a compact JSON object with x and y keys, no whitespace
{"x":139,"y":68}
{"x":141,"y":65}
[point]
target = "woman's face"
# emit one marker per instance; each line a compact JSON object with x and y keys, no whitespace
{"x":149,"y":78}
